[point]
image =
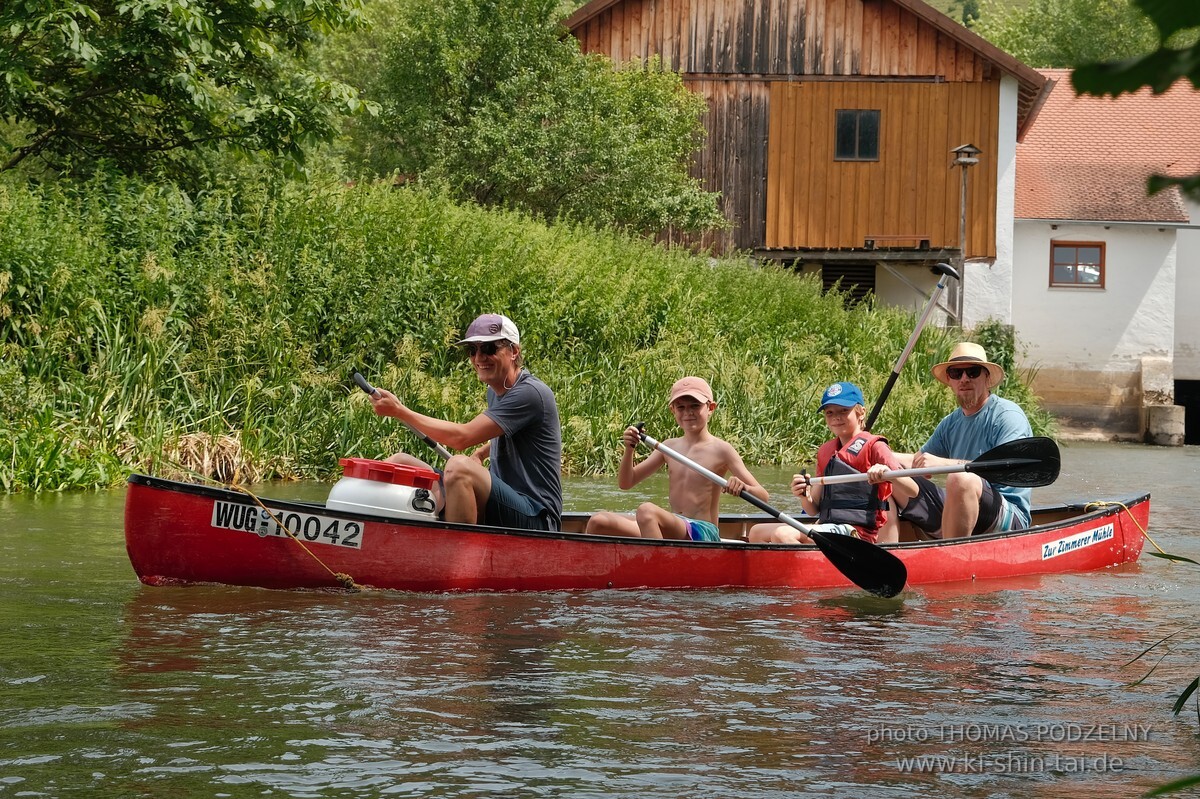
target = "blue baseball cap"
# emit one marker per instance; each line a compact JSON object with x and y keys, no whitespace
{"x":845,"y":394}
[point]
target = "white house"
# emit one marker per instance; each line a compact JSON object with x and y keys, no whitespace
{"x":1106,"y":279}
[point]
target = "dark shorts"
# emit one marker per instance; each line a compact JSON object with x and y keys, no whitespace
{"x":925,"y":509}
{"x":507,"y":507}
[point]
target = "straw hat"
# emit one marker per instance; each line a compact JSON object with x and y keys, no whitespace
{"x":968,"y":354}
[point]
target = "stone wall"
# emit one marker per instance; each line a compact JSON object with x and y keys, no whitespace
{"x":1114,"y":405}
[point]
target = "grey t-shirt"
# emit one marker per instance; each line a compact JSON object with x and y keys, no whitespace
{"x":528,"y":457}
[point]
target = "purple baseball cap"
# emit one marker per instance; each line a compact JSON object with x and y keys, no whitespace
{"x":491,"y":327}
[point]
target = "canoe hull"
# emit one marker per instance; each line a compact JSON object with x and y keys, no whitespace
{"x":179,"y":534}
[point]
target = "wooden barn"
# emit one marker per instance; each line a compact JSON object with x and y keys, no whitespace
{"x":833,"y":127}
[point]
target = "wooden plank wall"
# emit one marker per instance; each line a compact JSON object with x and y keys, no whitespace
{"x":734,"y":154}
{"x":815,"y":201}
{"x":779,"y":38}
{"x":741,"y":55}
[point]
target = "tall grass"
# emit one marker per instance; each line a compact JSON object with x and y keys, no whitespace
{"x":139,"y":325}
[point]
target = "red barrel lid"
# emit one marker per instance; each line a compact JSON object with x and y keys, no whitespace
{"x":384,"y":472}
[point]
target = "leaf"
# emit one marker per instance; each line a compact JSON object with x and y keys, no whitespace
{"x":1146,"y":676}
{"x":1158,"y":643}
{"x":1171,"y":787}
{"x":1171,"y":16}
{"x":1183,"y":697}
{"x":1168,"y":555}
{"x":1159,"y":70}
{"x":1189,"y":186}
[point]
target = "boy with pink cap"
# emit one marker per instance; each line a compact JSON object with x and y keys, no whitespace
{"x":695,"y":502}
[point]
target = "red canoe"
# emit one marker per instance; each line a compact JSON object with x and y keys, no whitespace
{"x":181,"y":533}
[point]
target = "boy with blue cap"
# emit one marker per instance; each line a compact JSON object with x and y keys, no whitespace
{"x":859,"y":509}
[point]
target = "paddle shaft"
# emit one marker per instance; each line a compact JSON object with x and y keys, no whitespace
{"x":371,"y":390}
{"x":1022,"y":462}
{"x":896,"y":474}
{"x":946,"y":272}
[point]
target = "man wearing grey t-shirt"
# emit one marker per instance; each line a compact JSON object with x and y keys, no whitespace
{"x":519,"y":431}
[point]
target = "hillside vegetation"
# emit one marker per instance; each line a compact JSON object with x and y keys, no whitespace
{"x":143,"y":330}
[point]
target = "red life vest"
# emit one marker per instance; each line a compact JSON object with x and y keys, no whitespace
{"x":859,"y":504}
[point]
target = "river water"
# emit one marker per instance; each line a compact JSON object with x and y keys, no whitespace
{"x":1013,"y":688}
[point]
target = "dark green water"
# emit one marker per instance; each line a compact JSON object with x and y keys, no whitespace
{"x":112,"y":689}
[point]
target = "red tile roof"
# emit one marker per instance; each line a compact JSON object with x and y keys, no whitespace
{"x":1089,"y":157}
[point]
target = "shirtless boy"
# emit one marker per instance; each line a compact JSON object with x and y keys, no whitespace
{"x":695,"y":501}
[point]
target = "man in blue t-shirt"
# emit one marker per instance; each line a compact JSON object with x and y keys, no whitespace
{"x":519,"y":430}
{"x":968,"y":505}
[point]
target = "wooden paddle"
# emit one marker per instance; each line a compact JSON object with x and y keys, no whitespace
{"x":438,"y":448}
{"x":866,"y":565}
{"x":1024,"y":463}
{"x":946,"y":271}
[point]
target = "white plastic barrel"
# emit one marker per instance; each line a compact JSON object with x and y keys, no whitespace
{"x":387,"y":489}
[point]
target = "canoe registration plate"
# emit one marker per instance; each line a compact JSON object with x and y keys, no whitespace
{"x":308,"y":527}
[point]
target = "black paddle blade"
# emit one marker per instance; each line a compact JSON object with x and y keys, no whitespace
{"x":1024,"y":463}
{"x":865,"y":564}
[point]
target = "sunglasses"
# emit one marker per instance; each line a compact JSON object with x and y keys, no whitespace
{"x":955,"y":372}
{"x":487,"y":348}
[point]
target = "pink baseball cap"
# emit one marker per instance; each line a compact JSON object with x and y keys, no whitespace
{"x":691,"y":387}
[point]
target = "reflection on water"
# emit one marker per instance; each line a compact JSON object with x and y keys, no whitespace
{"x":113,"y":689}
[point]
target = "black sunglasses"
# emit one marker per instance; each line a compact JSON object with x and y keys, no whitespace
{"x":486,"y":348}
{"x":955,"y":372}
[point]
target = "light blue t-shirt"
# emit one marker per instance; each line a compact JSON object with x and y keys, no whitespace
{"x":963,"y":437}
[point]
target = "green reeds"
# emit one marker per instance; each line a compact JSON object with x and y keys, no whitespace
{"x":139,"y":325}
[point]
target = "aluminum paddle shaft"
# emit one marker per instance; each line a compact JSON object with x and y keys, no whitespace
{"x":438,"y":448}
{"x":947,"y":272}
{"x":1023,"y":462}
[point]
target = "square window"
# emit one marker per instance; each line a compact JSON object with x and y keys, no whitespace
{"x":1077,"y":264}
{"x":856,"y":137}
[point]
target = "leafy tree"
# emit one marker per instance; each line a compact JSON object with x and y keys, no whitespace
{"x":1067,"y":33}
{"x":490,"y":98}
{"x":353,"y":56}
{"x":143,"y":84}
{"x":970,"y":12}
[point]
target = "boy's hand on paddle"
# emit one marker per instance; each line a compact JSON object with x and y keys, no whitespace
{"x":800,"y":485}
{"x":734,"y":485}
{"x":875,"y":474}
{"x":631,"y":437}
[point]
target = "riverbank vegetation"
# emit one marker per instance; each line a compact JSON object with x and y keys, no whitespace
{"x":144,"y":328}
{"x":207,"y":222}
